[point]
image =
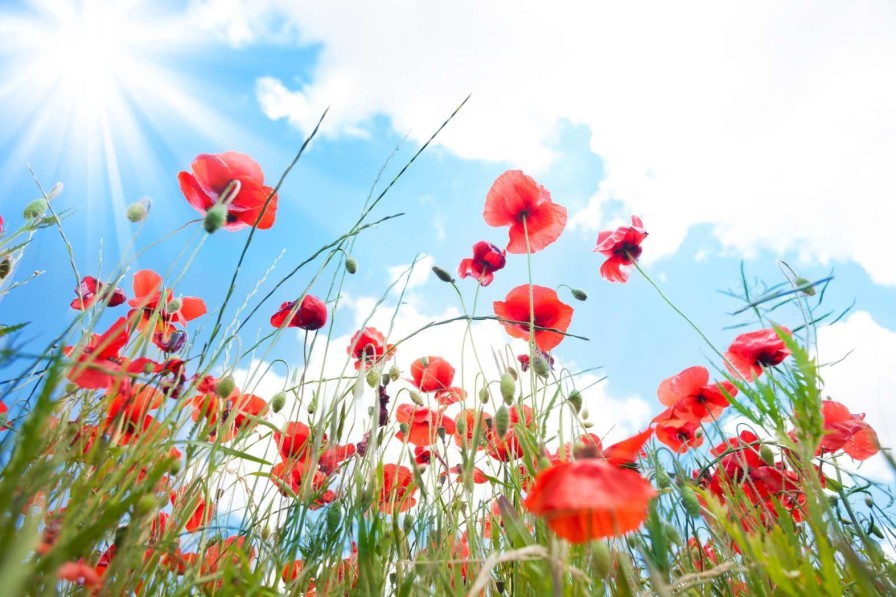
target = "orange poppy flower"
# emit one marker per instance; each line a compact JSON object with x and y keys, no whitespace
{"x":398,"y":489}
{"x":515,"y":198}
{"x":148,"y":301}
{"x":423,"y":424}
{"x":549,"y":311}
{"x":590,"y":499}
{"x":431,"y":374}
{"x":692,"y":397}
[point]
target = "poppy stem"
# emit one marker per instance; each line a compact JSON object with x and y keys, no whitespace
{"x":531,"y":291}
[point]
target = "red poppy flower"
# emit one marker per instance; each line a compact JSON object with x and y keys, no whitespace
{"x":589,"y":499}
{"x":847,"y":431}
{"x":451,"y":395}
{"x":129,"y":406}
{"x":752,"y":351}
{"x":333,"y":455}
{"x":508,"y":448}
{"x":293,"y":441}
{"x":90,"y":290}
{"x":213,"y":174}
{"x":99,"y":363}
{"x":292,"y":474}
{"x":310,"y":316}
{"x":148,"y":302}
{"x":4,"y":410}
{"x":241,"y":412}
{"x":679,"y":434}
{"x":515,"y":198}
{"x":423,"y":424}
{"x":550,"y":312}
{"x":432,"y":374}
{"x":200,"y":511}
{"x":472,"y":426}
{"x":692,"y":397}
{"x":398,"y":489}
{"x":622,"y":247}
{"x":478,"y":476}
{"x":487,"y":259}
{"x":368,"y":346}
{"x":80,"y":573}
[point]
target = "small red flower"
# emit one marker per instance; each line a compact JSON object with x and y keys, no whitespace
{"x":752,"y":351}
{"x":678,"y":434}
{"x":292,"y":474}
{"x":293,"y":441}
{"x":149,"y":301}
{"x":515,"y":198}
{"x":589,"y":499}
{"x":368,"y":346}
{"x":847,"y":431}
{"x":487,"y":259}
{"x":423,"y":424}
{"x":90,"y":290}
{"x":200,"y":511}
{"x":549,"y":311}
{"x":398,"y":489}
{"x":622,"y":247}
{"x":509,"y":448}
{"x":432,"y":374}
{"x":310,"y":316}
{"x":99,"y":364}
{"x":213,"y":174}
{"x":692,"y":397}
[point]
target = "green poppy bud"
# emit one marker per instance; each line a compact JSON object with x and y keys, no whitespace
{"x":442,"y":274}
{"x":508,"y":388}
{"x":36,"y":209}
{"x":417,"y":398}
{"x":5,"y":266}
{"x":215,"y":218}
{"x":225,"y":386}
{"x":334,"y":517}
{"x":541,"y":367}
{"x":351,"y":266}
{"x":602,"y":558}
{"x":689,"y":501}
{"x":483,"y":395}
{"x":145,"y":505}
{"x":575,"y":400}
{"x":278,"y":402}
{"x":138,"y":211}
{"x":809,"y":290}
{"x":662,"y":479}
{"x":394,"y":372}
{"x":579,"y":295}
{"x":768,"y":457}
{"x":404,"y":428}
{"x":373,"y":377}
{"x":502,"y":421}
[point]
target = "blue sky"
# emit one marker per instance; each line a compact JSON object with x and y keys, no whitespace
{"x":760,"y":134}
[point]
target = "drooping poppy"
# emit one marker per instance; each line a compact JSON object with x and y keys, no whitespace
{"x":846,"y":431}
{"x":752,"y":351}
{"x":368,"y":346}
{"x":692,"y":397}
{"x":621,"y":247}
{"x":398,"y":489}
{"x":549,"y":312}
{"x":589,"y":499}
{"x":431,"y":374}
{"x":486,"y":260}
{"x":90,"y":290}
{"x":99,"y":363}
{"x":516,"y":200}
{"x":311,"y":314}
{"x":242,"y":179}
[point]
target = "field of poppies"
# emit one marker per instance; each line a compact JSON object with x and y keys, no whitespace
{"x":132,"y":463}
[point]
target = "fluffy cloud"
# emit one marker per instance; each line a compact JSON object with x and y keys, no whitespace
{"x":862,"y":375}
{"x":771,"y":122}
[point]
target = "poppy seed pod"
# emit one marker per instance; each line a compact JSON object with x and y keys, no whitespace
{"x":35,"y":209}
{"x":215,"y":218}
{"x":689,"y":501}
{"x":394,"y":372}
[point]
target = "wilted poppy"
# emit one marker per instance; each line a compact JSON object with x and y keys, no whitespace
{"x":846,"y":431}
{"x":549,"y":311}
{"x":487,"y":259}
{"x":311,"y":314}
{"x":516,"y":198}
{"x":368,"y":346}
{"x":752,"y":351}
{"x":589,"y":499}
{"x":242,"y":179}
{"x":431,"y":374}
{"x":398,"y":489}
{"x":621,"y":247}
{"x":90,"y":290}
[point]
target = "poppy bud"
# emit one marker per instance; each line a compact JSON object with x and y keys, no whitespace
{"x":5,"y":266}
{"x":311,"y":408}
{"x":768,"y":457}
{"x":508,"y":388}
{"x":442,"y":274}
{"x":225,"y":386}
{"x":373,"y":377}
{"x":868,"y":501}
{"x":873,"y":530}
{"x":334,"y":517}
{"x":461,"y":426}
{"x":587,"y":424}
{"x":689,"y":501}
{"x":174,"y":305}
{"x":404,"y":428}
{"x":662,"y":479}
{"x":579,"y":295}
{"x":36,"y":209}
{"x":138,"y":211}
{"x":671,"y":534}
{"x":442,"y":433}
{"x":145,"y":505}
{"x":585,"y":413}
{"x":215,"y":218}
{"x":175,"y":467}
{"x":351,"y":266}
{"x":394,"y":372}
{"x":278,"y":402}
{"x":513,"y":373}
{"x":483,"y":395}
{"x":543,"y":462}
{"x":541,"y":366}
{"x":575,"y":400}
{"x":602,"y":558}
{"x":809,"y":289}
{"x":416,"y":398}
{"x":502,"y":421}
{"x":407,"y":524}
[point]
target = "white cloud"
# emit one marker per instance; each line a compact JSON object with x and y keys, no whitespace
{"x":771,"y":122}
{"x":864,"y":380}
{"x":419,"y":275}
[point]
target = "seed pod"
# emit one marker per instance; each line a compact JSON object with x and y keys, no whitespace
{"x":394,"y":372}
{"x":671,"y":534}
{"x":575,"y":400}
{"x":483,"y":395}
{"x":174,"y":305}
{"x":417,"y":398}
{"x":808,"y":290}
{"x":278,"y":402}
{"x":442,"y":274}
{"x":689,"y":501}
{"x":225,"y":386}
{"x":5,"y":266}
{"x":215,"y":218}
{"x":541,"y":366}
{"x":502,"y":421}
{"x":768,"y":457}
{"x":404,"y":428}
{"x":351,"y":266}
{"x":373,"y":377}
{"x":508,"y":388}
{"x":587,"y":424}
{"x":602,"y":558}
{"x":579,"y":295}
{"x":662,"y":479}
